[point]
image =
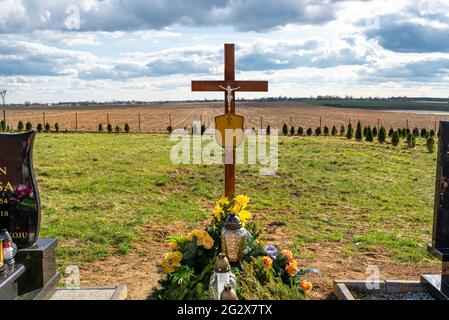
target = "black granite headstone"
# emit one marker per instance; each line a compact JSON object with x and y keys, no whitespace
{"x":19,"y":196}
{"x":440,"y":235}
{"x":34,"y":274}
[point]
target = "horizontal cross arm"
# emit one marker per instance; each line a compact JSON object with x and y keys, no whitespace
{"x":207,"y":85}
{"x":251,"y":85}
{"x":241,"y":85}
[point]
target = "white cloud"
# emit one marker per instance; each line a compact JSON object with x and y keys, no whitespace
{"x":113,"y":15}
{"x":152,"y":49}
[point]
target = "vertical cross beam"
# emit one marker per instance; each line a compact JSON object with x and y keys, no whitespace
{"x":229,"y":107}
{"x":229,"y":74}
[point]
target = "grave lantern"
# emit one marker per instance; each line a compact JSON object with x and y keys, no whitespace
{"x":228,"y":294}
{"x":3,"y":267}
{"x":233,"y":239}
{"x":221,"y":277}
{"x":9,"y":248}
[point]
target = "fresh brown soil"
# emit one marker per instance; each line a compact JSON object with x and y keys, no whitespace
{"x":156,"y":118}
{"x":138,"y":270}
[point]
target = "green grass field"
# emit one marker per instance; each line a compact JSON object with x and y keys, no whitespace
{"x":97,"y":189}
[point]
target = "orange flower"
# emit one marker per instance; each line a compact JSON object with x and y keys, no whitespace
{"x":288,"y":254}
{"x":291,"y":268}
{"x":173,"y":246}
{"x":306,"y":285}
{"x":268,"y":261}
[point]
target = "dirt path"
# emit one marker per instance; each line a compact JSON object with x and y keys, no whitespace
{"x":138,"y":270}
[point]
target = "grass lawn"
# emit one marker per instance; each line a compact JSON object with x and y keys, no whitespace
{"x":97,"y":189}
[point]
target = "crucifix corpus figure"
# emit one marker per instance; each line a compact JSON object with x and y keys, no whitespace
{"x":229,"y":91}
{"x":229,"y":121}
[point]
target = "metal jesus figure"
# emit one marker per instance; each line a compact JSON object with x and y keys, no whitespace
{"x":229,"y":91}
{"x":230,"y":85}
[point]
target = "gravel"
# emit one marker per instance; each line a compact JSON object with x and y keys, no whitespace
{"x":398,"y":296}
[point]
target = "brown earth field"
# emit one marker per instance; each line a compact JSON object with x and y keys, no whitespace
{"x":156,"y":117}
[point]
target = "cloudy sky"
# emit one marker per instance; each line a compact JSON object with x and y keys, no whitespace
{"x":72,"y":50}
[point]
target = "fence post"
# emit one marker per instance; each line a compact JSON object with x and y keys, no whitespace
{"x":76,"y":121}
{"x":169,"y":119}
{"x":43,"y":117}
{"x":107,"y":117}
{"x":139,"y":122}
{"x":261,"y":123}
{"x":320,"y":122}
{"x":4,"y":120}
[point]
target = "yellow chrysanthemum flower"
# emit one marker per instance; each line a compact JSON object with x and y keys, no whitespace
{"x":193,"y":233}
{"x":207,"y":242}
{"x":236,"y":208}
{"x":177,"y":258}
{"x":222,"y":201}
{"x":242,"y":200}
{"x":171,"y":261}
{"x":167,"y":267}
{"x":203,"y":239}
{"x":218,"y":212}
{"x":244,"y":216}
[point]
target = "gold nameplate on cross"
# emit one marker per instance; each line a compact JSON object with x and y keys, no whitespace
{"x":229,"y":130}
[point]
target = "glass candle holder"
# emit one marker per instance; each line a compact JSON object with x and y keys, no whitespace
{"x":233,"y":239}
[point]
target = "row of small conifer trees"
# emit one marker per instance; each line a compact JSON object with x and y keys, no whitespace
{"x":117,"y":128}
{"x":48,"y":128}
{"x":369,"y":134}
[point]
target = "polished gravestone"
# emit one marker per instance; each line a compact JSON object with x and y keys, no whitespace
{"x":34,"y":274}
{"x":440,"y":235}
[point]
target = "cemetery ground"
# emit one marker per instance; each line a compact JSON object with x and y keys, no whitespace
{"x":340,"y":205}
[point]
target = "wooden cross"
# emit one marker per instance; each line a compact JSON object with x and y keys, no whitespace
{"x":229,"y":82}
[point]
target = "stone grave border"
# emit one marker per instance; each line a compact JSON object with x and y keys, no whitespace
{"x":343,"y":288}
